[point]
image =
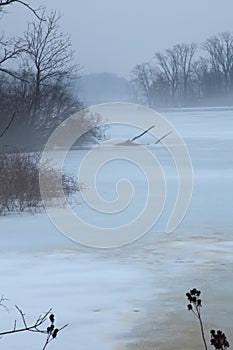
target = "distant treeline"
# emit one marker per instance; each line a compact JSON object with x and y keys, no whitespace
{"x":187,"y":75}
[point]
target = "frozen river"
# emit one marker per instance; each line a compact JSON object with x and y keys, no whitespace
{"x":131,"y":296}
{"x":208,"y":135}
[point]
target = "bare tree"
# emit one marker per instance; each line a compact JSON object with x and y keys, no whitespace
{"x":159,"y":84}
{"x":186,"y":54}
{"x":203,"y":80}
{"x":43,"y":93}
{"x":9,"y":51}
{"x":168,"y":66}
{"x":143,"y":79}
{"x":220,"y":51}
{"x":48,"y":54}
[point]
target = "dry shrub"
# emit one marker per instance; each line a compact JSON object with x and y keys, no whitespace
{"x":19,"y":182}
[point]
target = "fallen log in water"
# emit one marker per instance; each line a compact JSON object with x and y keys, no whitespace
{"x":132,"y":143}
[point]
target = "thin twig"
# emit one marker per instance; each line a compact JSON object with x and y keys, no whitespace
{"x":163,"y":137}
{"x":22,"y":316}
{"x":33,"y":328}
{"x":46,"y":342}
{"x":8,"y":125}
{"x":50,"y":336}
{"x":66,"y":325}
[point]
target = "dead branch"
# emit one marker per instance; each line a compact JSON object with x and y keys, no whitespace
{"x":163,"y":137}
{"x":8,"y":125}
{"x":143,"y":133}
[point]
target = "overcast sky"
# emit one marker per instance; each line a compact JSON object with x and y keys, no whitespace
{"x":114,"y":35}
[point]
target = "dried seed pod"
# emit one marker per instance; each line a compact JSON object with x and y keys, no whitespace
{"x":51,"y":317}
{"x":55,"y":332}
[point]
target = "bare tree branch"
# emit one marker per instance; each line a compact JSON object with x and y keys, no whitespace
{"x":14,"y":75}
{"x":25,"y":4}
{"x":32,"y":328}
{"x":5,"y":130}
{"x":51,"y":331}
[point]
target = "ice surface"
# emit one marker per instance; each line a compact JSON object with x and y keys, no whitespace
{"x":132,"y":294}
